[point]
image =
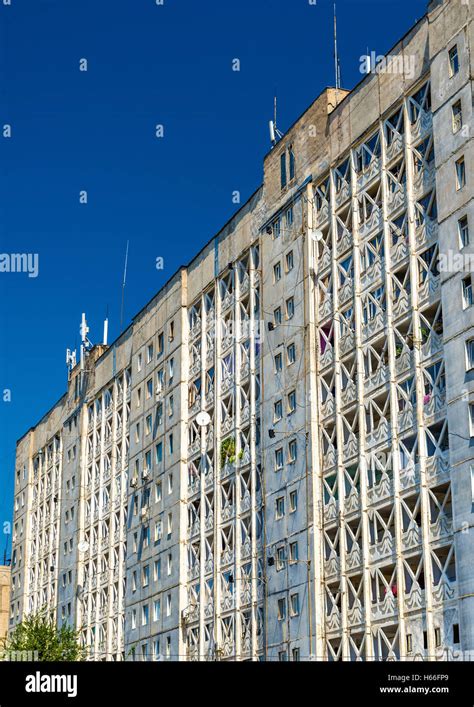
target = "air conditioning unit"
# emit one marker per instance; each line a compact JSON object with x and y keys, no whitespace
{"x":146,"y":474}
{"x":144,"y":512}
{"x":133,"y":482}
{"x":159,"y":396}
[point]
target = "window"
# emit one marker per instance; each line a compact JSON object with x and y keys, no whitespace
{"x":467,"y":292}
{"x":149,"y":353}
{"x":294,"y":604}
{"x":276,"y":229}
{"x":168,"y":646}
{"x":134,"y":618}
{"x":437,"y":633}
{"x":277,"y":272}
{"x":295,"y":654}
{"x":283,"y":170}
{"x":463,"y":231}
{"x":139,"y":362}
{"x":290,"y":354}
{"x":292,"y":449}
{"x":290,"y":308}
{"x":146,"y":576}
{"x":170,"y":444}
{"x":278,"y":411}
{"x":149,"y":388}
{"x":289,"y":261}
{"x":281,"y":609}
{"x":409,"y":643}
{"x":282,"y":656}
{"x":279,"y":459}
{"x":289,"y":216}
{"x":469,"y":354}
{"x":280,"y":508}
{"x":457,"y":116}
{"x":278,"y":363}
{"x":145,"y":614}
{"x":170,"y":406}
{"x":471,"y":419}
{"x":453,"y":61}
{"x":170,"y":483}
{"x":456,"y":633}
{"x":460,"y":173}
{"x":159,"y":453}
{"x":169,"y":525}
{"x":160,"y":344}
{"x":168,"y":605}
{"x":139,"y":397}
{"x":170,"y":370}
{"x":280,"y":558}
{"x":156,"y":610}
{"x":169,"y":564}
{"x":148,"y":424}
{"x":291,"y":160}
{"x":158,"y":491}
{"x":171,"y":332}
{"x":291,"y":402}
{"x":277,"y":316}
{"x":157,"y":570}
{"x":293,"y":501}
{"x":137,"y":432}
{"x":293,"y":552}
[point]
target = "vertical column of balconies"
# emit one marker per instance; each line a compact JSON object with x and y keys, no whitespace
{"x":365,"y":614}
{"x":422,"y":449}
{"x":254,"y":282}
{"x":387,"y":157}
{"x":339,"y":431}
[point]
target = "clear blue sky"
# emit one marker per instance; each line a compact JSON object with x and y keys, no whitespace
{"x":95,"y":131}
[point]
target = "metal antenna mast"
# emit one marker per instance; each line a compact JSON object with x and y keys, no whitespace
{"x":123,"y":287}
{"x":336,"y":55}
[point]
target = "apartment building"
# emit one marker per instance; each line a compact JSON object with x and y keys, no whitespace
{"x":273,"y":462}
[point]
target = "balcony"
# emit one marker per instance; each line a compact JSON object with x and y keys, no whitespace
{"x":380,"y":377}
{"x":381,"y":490}
{"x":415,"y":598}
{"x":380,"y":434}
{"x":444,"y":591}
{"x":348,"y":394}
{"x":382,"y":549}
{"x":441,"y":528}
{"x":368,"y":173}
{"x":437,"y":467}
{"x":374,"y":326}
{"x":332,"y":565}
{"x":385,"y":608}
{"x":422,"y":125}
{"x":354,"y":557}
{"x":399,"y":250}
{"x":355,"y":614}
{"x":330,"y":510}
{"x":411,"y":537}
{"x":409,"y":476}
{"x":372,"y":224}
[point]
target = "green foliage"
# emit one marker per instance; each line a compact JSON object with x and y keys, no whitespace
{"x":38,"y":633}
{"x":228,"y":451}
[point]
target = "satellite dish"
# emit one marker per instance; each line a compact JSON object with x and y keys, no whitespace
{"x":316,"y":235}
{"x":83,"y":547}
{"x":203,"y":419}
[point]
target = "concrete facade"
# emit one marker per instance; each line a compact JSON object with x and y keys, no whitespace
{"x":324,"y":508}
{"x":5,"y":579}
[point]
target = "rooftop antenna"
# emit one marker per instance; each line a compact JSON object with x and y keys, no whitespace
{"x":123,"y":287}
{"x":106,"y":327}
{"x":85,"y":341}
{"x":275,"y":134}
{"x":337,"y":67}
